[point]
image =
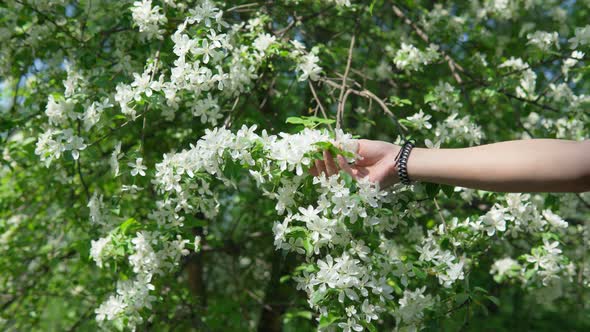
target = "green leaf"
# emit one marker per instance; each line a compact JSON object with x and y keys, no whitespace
{"x":448,"y":190}
{"x":396,"y":101}
{"x":308,"y":246}
{"x":529,"y":274}
{"x":461,"y":298}
{"x":494,"y":299}
{"x":430,"y":97}
{"x":479,"y":289}
{"x":369,"y":326}
{"x":432,"y":189}
{"x":333,"y":149}
{"x":309,"y":121}
{"x":445,"y":243}
{"x":420,"y":274}
{"x":297,"y":231}
{"x":328,"y":320}
{"x":295,"y":120}
{"x":129,"y":225}
{"x":304,"y":314}
{"x":317,"y":297}
{"x":407,"y":123}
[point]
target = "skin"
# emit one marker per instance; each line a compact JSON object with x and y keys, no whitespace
{"x":534,"y":165}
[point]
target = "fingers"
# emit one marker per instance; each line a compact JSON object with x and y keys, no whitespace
{"x":364,"y":151}
{"x":313,"y":170}
{"x":321,"y":168}
{"x":331,"y":167}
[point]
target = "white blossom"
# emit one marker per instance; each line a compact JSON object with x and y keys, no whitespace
{"x":420,"y":120}
{"x":309,"y":68}
{"x":581,"y":37}
{"x":543,"y":40}
{"x":408,"y":57}
{"x":148,"y":18}
{"x":137,"y":167}
{"x":98,"y":248}
{"x":554,"y":219}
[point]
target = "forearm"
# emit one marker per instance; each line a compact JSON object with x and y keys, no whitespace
{"x":537,"y":165}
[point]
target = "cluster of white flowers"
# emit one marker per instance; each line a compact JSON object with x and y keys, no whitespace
{"x":503,"y":268}
{"x":543,"y":40}
{"x":60,"y":112}
{"x":94,"y":111}
{"x":521,"y":217}
{"x":309,"y":67}
{"x":501,"y":8}
{"x":263,"y":42}
{"x":581,"y":37}
{"x":52,"y":143}
{"x":548,"y":264}
{"x":445,"y":98}
{"x":563,"y":128}
{"x":347,"y":270}
{"x":96,"y":205}
{"x":439,"y":14}
{"x":570,"y":62}
{"x":463,"y":129}
{"x":148,"y":19}
{"x":412,"y":306}
{"x":446,"y":265}
{"x":344,"y":3}
{"x":61,"y":115}
{"x":528,"y":81}
{"x":314,"y":231}
{"x":98,"y":249}
{"x":200,"y":67}
{"x":420,"y":120}
{"x":307,"y":63}
{"x":345,"y":275}
{"x":410,"y":58}
{"x":132,"y":295}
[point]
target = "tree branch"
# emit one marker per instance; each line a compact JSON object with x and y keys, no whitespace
{"x":317,"y":100}
{"x":343,"y":94}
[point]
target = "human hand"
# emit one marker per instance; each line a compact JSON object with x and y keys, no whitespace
{"x":377,"y":162}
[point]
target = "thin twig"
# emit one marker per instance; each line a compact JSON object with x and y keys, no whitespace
{"x":546,"y":89}
{"x":342,"y":97}
{"x":227,"y":121}
{"x":116,"y":129}
{"x":370,"y":95}
{"x":246,"y":5}
{"x":439,"y":212}
{"x":79,"y":167}
{"x":154,"y":69}
{"x":532,"y":102}
{"x":317,"y":100}
{"x":15,"y":97}
{"x":300,"y":19}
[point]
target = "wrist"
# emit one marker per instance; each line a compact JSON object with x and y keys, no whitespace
{"x":401,"y":161}
{"x":393,"y":168}
{"x":417,"y":164}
